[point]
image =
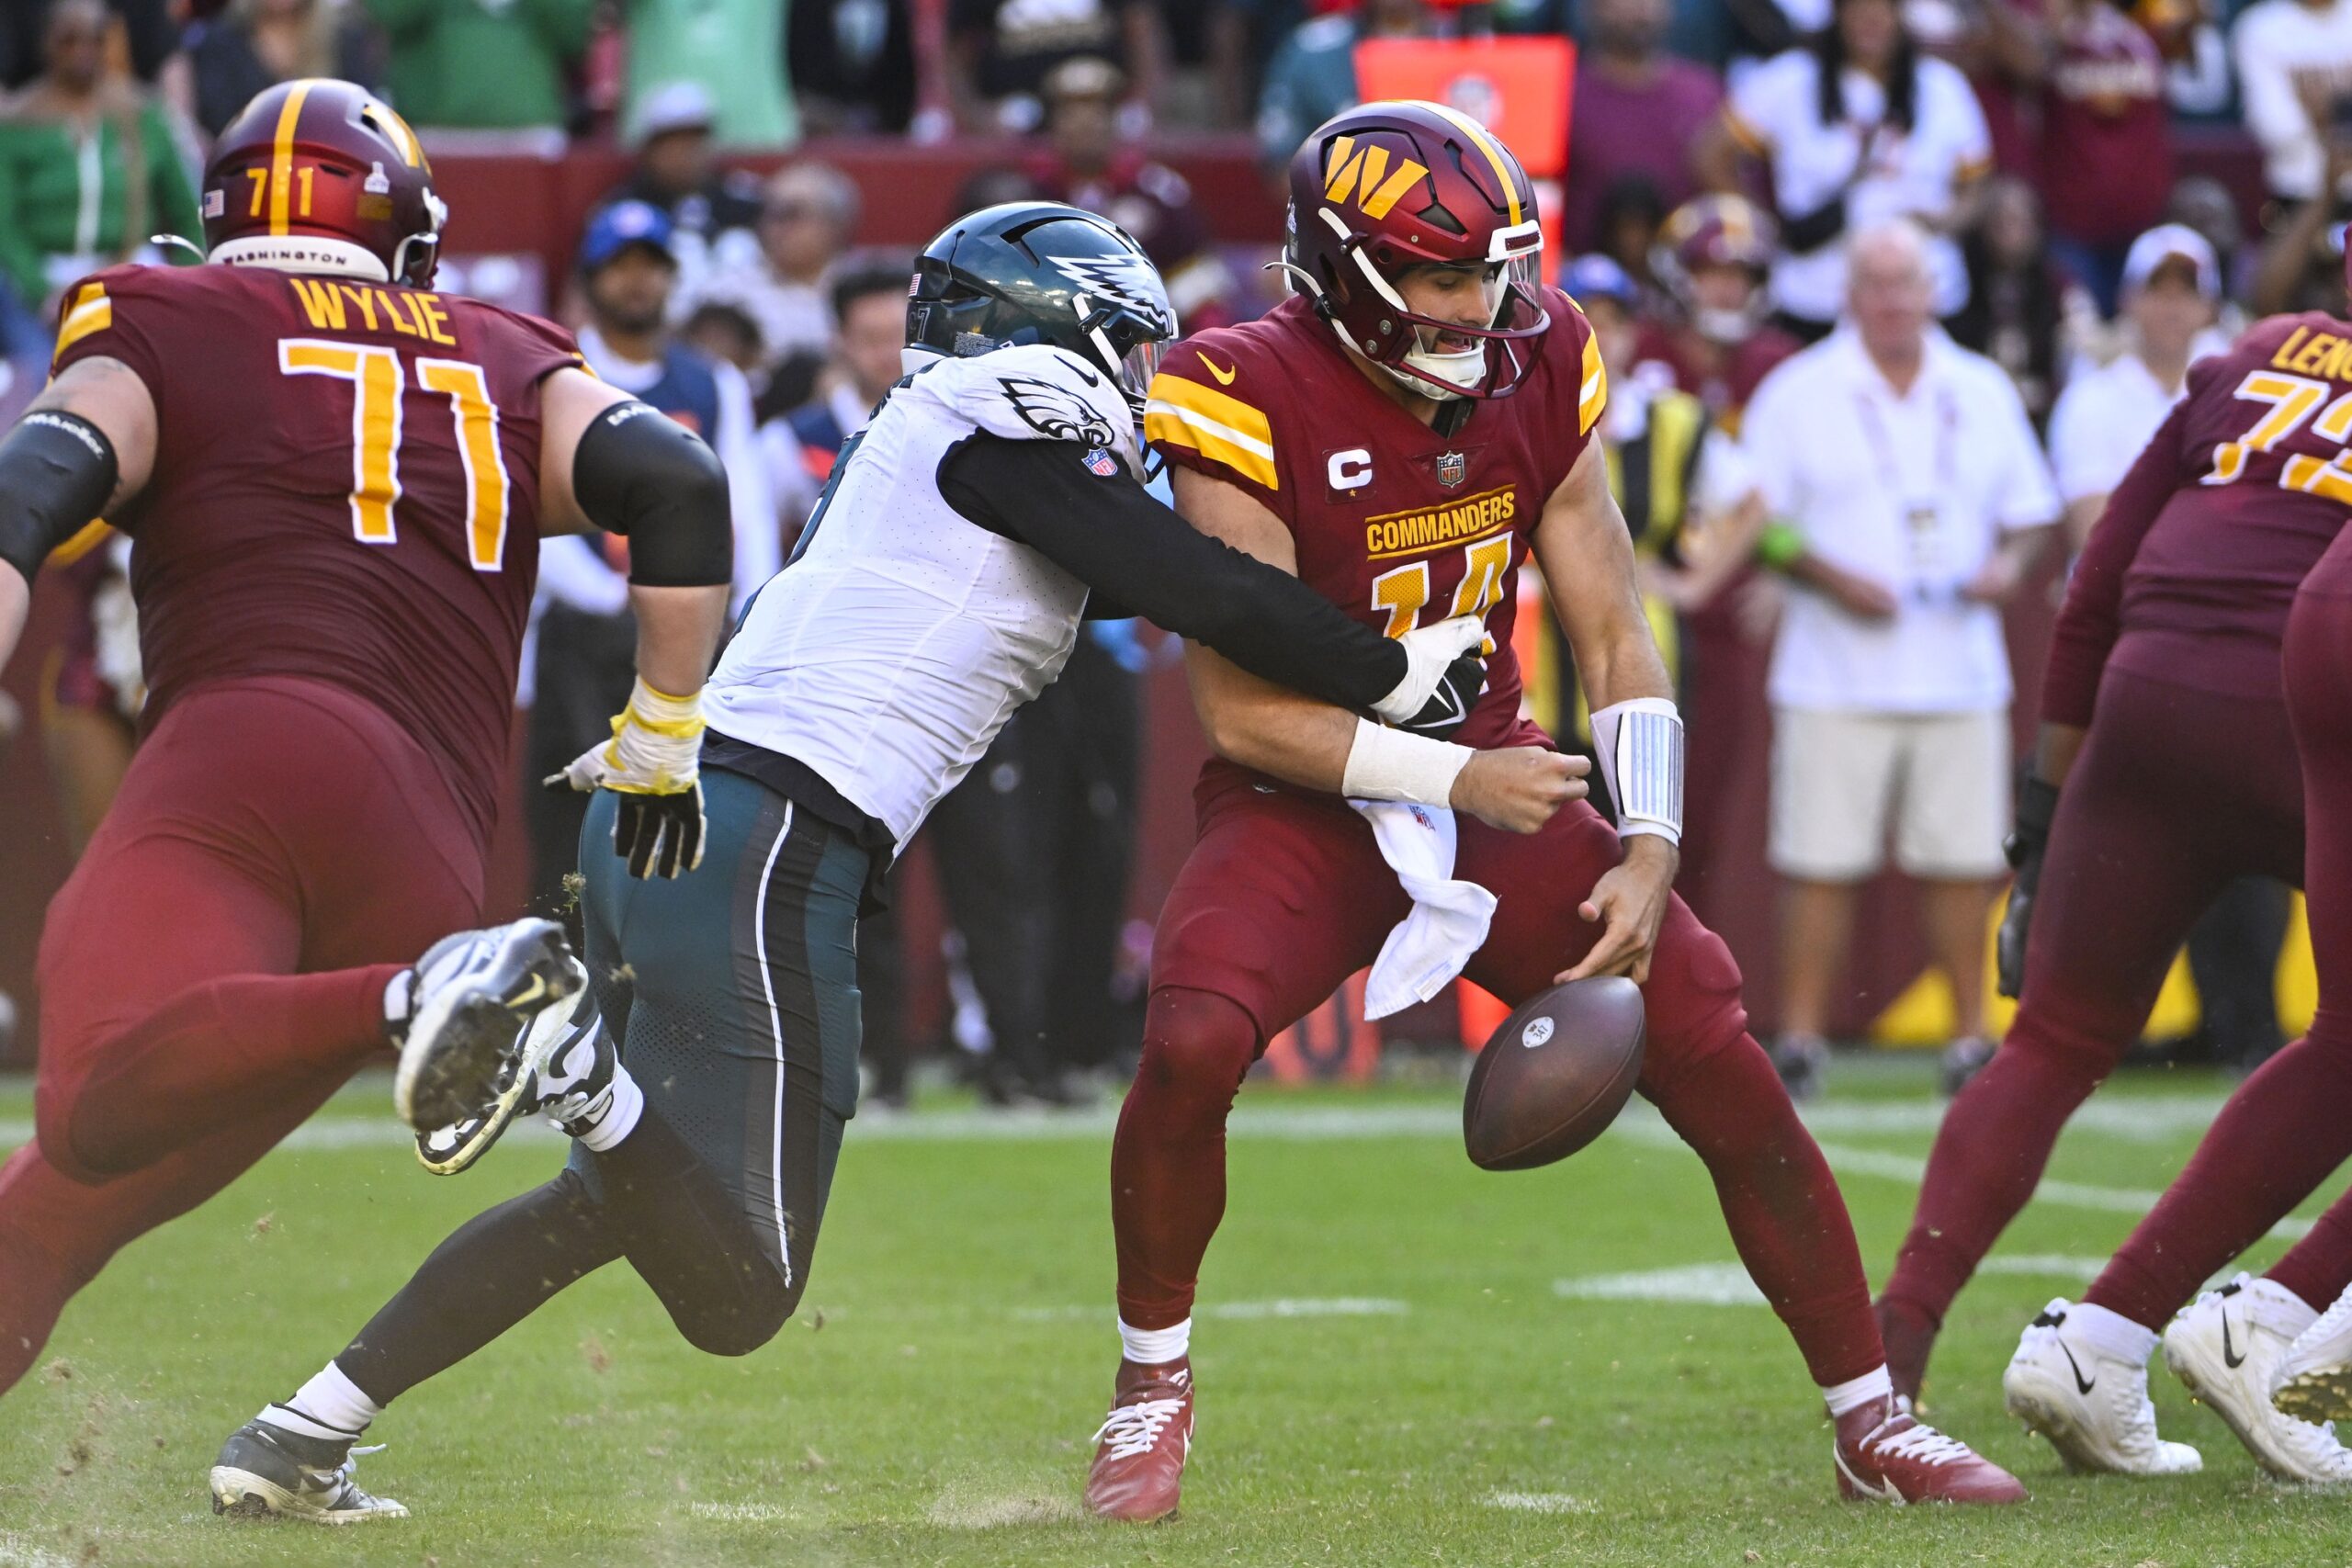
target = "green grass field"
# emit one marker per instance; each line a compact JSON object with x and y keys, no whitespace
{"x":1401,"y":1360}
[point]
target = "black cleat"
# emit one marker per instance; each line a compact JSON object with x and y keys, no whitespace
{"x":1802,"y":1062}
{"x":265,"y":1472}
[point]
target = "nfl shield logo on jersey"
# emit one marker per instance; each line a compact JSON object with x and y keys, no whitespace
{"x":1101,"y":464}
{"x":1451,"y":469}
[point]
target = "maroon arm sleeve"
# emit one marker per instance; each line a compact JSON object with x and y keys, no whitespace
{"x":2088,"y":624}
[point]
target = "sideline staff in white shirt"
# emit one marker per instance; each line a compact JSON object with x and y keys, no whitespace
{"x":1908,"y":467}
{"x":2172,"y":284}
{"x":1859,"y":129}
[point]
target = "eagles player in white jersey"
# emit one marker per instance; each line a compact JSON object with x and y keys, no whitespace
{"x":705,"y":1077}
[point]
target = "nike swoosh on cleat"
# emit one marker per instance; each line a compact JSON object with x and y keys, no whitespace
{"x":1224,"y":378}
{"x":2230,"y":1356}
{"x":2082,"y":1384}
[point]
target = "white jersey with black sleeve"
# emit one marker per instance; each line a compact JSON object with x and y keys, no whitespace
{"x":902,"y":635}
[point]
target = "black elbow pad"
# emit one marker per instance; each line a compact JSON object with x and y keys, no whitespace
{"x":57,"y":473}
{"x":644,"y":476}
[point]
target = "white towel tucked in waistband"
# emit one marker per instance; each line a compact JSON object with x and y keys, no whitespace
{"x":1450,"y":916}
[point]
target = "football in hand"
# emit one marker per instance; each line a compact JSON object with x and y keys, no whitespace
{"x":1554,"y":1075}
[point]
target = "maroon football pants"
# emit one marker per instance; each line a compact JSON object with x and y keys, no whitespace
{"x":215,"y":967}
{"x":2286,"y":1128}
{"x":2177,"y":793}
{"x":1285,"y":894}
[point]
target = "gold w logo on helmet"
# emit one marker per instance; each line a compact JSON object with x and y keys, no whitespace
{"x":1364,"y":173}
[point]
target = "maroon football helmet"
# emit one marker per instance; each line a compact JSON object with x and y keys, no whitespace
{"x":323,"y":177}
{"x":1387,"y":186}
{"x":1713,"y":231}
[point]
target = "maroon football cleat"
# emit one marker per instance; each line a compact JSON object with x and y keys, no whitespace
{"x":1139,"y":1451}
{"x":1885,"y":1456}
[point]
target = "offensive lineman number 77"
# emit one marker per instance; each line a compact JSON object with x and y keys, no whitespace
{"x":377,"y":382}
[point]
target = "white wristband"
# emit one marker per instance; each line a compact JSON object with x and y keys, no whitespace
{"x":1389,"y":764}
{"x":1640,"y":746}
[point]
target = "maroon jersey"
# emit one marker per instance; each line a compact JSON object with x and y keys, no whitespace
{"x":1723,"y":383}
{"x":347,"y":486}
{"x":1392,"y":521}
{"x":2202,"y":546}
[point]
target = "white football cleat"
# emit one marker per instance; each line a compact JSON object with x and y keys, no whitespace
{"x":470,"y":1003}
{"x":2091,"y":1405}
{"x":2314,"y":1379}
{"x":2228,"y":1346}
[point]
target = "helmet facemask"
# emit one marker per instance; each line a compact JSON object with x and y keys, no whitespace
{"x":1447,"y":359}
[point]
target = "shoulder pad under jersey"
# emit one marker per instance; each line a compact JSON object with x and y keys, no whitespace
{"x":1031,"y":392}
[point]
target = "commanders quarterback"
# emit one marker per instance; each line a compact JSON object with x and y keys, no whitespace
{"x":1400,"y":434}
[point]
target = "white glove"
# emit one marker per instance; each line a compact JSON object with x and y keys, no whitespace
{"x":1431,"y":654}
{"x":653,"y":764}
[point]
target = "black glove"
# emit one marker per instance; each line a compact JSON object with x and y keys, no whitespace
{"x":660,"y":835}
{"x":1452,"y":702}
{"x":2024,"y":846}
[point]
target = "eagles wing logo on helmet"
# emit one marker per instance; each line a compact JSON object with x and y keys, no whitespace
{"x":1056,"y":412}
{"x":1118,"y":278}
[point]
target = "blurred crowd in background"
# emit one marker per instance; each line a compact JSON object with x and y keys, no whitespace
{"x":1724,"y":155}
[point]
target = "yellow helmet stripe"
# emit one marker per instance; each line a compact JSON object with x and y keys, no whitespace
{"x":1484,"y":141}
{"x":281,"y":158}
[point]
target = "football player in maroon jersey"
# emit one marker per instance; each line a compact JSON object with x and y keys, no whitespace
{"x":335,"y":480}
{"x":1401,"y":433}
{"x":2167,"y":766}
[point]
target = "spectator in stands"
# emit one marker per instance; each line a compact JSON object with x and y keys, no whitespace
{"x":461,"y":65}
{"x":1625,"y":230}
{"x":869,"y":304}
{"x":2103,"y":156}
{"x":89,"y":168}
{"x":2294,"y":60}
{"x":2204,"y":204}
{"x":2023,"y":312}
{"x":1001,"y":51}
{"x":2301,"y":267}
{"x":869,"y":309}
{"x":807,"y":222}
{"x":1859,"y":128}
{"x":733,"y":50}
{"x":1085,"y":164}
{"x":2172,"y":284}
{"x":853,"y":65}
{"x":713,"y":213}
{"x":1636,"y":110}
{"x":1712,"y":259}
{"x":252,"y":45}
{"x":151,"y":29}
{"x":1313,"y":74}
{"x":584,"y":659}
{"x":727,"y":333}
{"x":1912,"y":498}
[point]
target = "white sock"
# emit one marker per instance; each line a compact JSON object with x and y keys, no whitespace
{"x":330,"y":1405}
{"x":2110,"y":1333}
{"x":620,"y":1115}
{"x":1155,"y":1347}
{"x":398,"y":992}
{"x":1864,"y":1390}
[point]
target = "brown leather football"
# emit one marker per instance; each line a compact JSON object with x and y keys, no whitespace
{"x":1554,"y":1075}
